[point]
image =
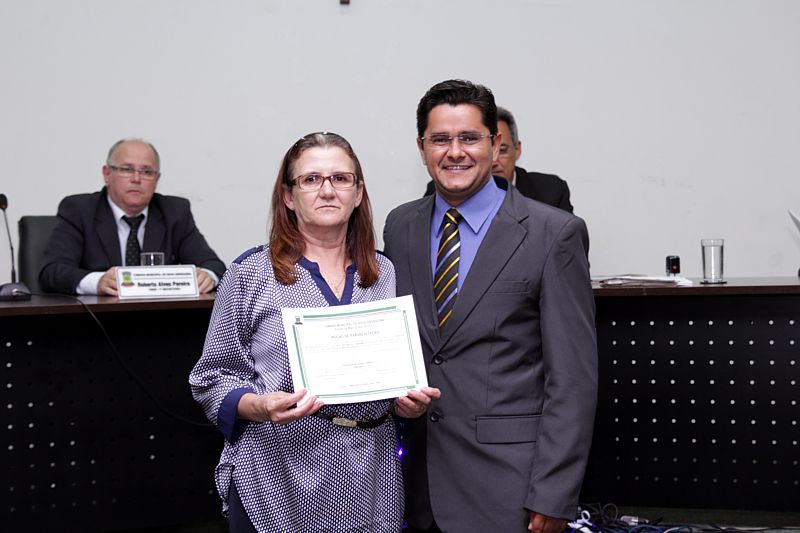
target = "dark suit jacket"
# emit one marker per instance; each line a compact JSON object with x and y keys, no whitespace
{"x":547,"y":188}
{"x":516,"y":364}
{"x":85,"y":239}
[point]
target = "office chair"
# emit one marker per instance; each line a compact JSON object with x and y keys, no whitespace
{"x":34,"y":232}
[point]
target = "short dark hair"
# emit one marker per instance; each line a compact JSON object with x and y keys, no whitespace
{"x":286,"y":243}
{"x":505,"y":115}
{"x":456,"y":92}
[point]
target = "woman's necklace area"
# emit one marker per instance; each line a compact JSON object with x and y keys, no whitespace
{"x":339,"y":285}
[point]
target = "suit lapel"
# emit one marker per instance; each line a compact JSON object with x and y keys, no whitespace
{"x":106,"y":228}
{"x":154,"y":230}
{"x":419,"y":236}
{"x":501,"y":241}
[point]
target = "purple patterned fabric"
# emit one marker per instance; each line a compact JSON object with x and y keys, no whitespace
{"x":308,"y":475}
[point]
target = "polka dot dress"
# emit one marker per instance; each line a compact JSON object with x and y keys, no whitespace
{"x":308,"y":475}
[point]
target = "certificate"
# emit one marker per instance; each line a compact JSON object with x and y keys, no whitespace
{"x":355,"y":353}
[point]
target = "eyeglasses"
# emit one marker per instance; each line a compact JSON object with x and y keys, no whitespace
{"x":441,"y":140}
{"x":129,"y":172}
{"x":314,"y":182}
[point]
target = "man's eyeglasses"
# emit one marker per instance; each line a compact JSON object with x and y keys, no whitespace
{"x":129,"y":172}
{"x":441,"y":140}
{"x":314,"y":182}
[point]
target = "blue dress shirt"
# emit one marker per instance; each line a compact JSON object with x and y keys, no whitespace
{"x":478,"y":211}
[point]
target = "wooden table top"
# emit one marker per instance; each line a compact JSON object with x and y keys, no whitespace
{"x":53,"y":304}
{"x":732,"y":287}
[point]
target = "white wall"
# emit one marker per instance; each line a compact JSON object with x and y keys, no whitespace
{"x":671,"y":120}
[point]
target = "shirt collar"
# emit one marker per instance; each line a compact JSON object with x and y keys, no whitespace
{"x":475,"y":209}
{"x":325,"y":289}
{"x":119,"y":213}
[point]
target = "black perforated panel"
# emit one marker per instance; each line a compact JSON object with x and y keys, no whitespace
{"x":698,"y":408}
{"x":699,"y":403}
{"x":83,"y":447}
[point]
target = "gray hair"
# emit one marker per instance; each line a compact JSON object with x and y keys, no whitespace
{"x":117,"y":144}
{"x":506,"y":116}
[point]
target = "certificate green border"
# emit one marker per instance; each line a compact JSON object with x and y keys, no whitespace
{"x":299,"y":351}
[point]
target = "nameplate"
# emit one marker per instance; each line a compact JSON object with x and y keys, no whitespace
{"x":168,"y":281}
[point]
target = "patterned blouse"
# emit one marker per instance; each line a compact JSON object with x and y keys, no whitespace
{"x":307,"y":475}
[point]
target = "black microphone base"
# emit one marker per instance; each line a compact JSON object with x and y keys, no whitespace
{"x":14,"y":292}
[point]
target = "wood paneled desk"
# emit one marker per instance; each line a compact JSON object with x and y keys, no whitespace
{"x":699,"y":406}
{"x":699,"y":396}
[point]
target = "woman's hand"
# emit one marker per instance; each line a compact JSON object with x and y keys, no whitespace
{"x":416,"y":402}
{"x":278,"y":407}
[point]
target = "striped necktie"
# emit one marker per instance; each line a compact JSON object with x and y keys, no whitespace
{"x":445,"y":279}
{"x":132,"y":246}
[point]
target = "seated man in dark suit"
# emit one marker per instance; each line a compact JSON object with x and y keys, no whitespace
{"x":97,"y":232}
{"x":547,"y":188}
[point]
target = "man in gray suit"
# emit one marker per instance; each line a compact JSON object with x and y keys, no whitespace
{"x":506,"y":316}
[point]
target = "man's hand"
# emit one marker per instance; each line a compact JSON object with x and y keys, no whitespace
{"x":204,"y":282}
{"x":107,"y":286}
{"x":416,"y":402}
{"x":545,"y":524}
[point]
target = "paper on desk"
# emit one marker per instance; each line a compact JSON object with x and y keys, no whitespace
{"x":636,"y":280}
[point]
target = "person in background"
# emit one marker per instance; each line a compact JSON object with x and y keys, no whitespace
{"x":506,"y":316}
{"x":289,"y":466}
{"x":95,"y":233}
{"x":547,"y":188}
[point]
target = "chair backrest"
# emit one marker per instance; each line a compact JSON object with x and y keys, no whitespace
{"x":34,"y":232}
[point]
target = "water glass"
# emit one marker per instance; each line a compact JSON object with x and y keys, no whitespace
{"x":712,"y":260}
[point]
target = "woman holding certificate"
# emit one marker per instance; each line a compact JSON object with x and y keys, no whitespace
{"x":287,"y":465}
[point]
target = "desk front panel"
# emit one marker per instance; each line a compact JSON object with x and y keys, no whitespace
{"x":84,"y":447}
{"x":698,"y":407}
{"x":699,"y":403}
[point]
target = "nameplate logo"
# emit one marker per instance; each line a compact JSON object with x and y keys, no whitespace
{"x":168,"y":281}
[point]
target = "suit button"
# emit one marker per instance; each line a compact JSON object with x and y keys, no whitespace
{"x":437,"y":360}
{"x":434,"y":417}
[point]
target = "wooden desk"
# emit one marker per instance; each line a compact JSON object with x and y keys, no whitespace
{"x":733,"y":287}
{"x":84,"y":448}
{"x":63,"y":305}
{"x":699,"y":396}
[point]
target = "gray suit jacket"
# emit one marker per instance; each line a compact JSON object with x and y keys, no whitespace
{"x":85,"y":239}
{"x":516,"y":364}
